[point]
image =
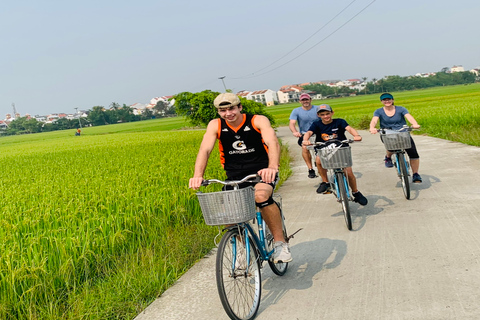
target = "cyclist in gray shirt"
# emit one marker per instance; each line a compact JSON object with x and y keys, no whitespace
{"x":393,"y":117}
{"x":304,"y":116}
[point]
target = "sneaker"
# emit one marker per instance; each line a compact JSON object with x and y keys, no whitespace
{"x":416,"y":178}
{"x":324,"y":187}
{"x":311,"y":173}
{"x":281,"y":253}
{"x":360,"y":198}
{"x":241,"y":259}
{"x":388,"y":162}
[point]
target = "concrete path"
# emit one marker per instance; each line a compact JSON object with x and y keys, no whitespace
{"x":404,"y":259}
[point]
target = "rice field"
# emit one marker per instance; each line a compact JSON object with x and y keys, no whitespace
{"x":450,"y":113}
{"x":79,"y":214}
{"x":97,"y":226}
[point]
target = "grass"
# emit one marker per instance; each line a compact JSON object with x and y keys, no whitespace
{"x":98,"y":226}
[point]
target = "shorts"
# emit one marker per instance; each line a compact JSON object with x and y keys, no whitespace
{"x":300,"y":140}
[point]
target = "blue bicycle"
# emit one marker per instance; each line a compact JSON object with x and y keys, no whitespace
{"x":244,"y":246}
{"x":335,"y":156}
{"x":396,"y":141}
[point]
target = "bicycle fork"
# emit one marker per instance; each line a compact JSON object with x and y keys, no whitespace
{"x":395,"y":161}
{"x":336,"y":189}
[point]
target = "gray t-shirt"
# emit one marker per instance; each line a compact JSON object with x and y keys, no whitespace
{"x":395,"y":122}
{"x":304,"y":118}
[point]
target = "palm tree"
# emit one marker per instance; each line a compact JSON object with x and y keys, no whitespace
{"x":365,"y":80}
{"x":374,"y":80}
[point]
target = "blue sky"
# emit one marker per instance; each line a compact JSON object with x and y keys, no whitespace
{"x":60,"y":55}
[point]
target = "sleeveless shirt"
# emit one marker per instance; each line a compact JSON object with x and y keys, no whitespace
{"x":242,"y":149}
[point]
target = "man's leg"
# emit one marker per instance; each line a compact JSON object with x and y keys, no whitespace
{"x":271,"y":215}
{"x":324,"y":186}
{"x":307,"y":157}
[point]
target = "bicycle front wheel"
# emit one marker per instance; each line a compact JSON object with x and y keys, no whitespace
{"x":342,"y":188}
{"x":239,"y":284}
{"x":404,"y":174}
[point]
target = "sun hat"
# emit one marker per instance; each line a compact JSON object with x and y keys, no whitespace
{"x":324,"y":107}
{"x":225,"y":100}
{"x":305,"y":96}
{"x":386,"y":95}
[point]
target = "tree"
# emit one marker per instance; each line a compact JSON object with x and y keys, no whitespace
{"x":198,"y":107}
{"x":125,"y":114}
{"x":365,"y":80}
{"x":374,"y":81}
{"x":163,"y":109}
{"x":97,"y":116}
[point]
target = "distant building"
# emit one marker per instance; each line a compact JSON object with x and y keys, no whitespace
{"x":267,"y":97}
{"x":456,"y":69}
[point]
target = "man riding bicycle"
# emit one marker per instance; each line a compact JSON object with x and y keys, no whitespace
{"x":248,"y":145}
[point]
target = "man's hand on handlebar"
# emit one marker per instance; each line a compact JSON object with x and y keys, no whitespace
{"x":195,"y":182}
{"x":268,"y":174}
{"x":306,"y":142}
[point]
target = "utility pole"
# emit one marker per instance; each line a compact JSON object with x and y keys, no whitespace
{"x":14,"y":111}
{"x":221,"y":78}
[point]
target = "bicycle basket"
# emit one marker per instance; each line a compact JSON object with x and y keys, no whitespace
{"x":227,"y":207}
{"x":333,"y":158}
{"x":394,"y":140}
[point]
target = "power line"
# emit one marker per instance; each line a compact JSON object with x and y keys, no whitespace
{"x":301,"y":54}
{"x":321,"y":28}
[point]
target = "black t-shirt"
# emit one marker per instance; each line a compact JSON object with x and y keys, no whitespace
{"x":242,"y":149}
{"x":333,"y":130}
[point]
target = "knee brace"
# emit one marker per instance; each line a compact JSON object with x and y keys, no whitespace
{"x":266,"y":203}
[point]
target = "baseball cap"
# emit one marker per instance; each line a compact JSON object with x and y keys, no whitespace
{"x":386,"y":95}
{"x":225,"y":100}
{"x":305,"y":96}
{"x":324,"y":107}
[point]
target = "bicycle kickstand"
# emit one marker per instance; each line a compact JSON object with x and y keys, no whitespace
{"x":293,"y":234}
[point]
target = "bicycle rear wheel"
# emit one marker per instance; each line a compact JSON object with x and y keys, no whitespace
{"x":239,"y":285}
{"x":278,"y":268}
{"x":404,"y":174}
{"x":342,"y":186}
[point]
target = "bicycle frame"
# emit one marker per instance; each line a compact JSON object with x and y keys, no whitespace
{"x":333,"y":177}
{"x":259,"y":240}
{"x":395,"y":161}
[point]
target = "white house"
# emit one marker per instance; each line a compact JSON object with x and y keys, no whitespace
{"x":267,"y":97}
{"x":457,"y":69}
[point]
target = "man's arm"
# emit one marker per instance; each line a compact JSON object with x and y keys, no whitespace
{"x":306,"y":138}
{"x":270,"y":139}
{"x":354,"y":133}
{"x":208,"y":142}
{"x":292,"y":126}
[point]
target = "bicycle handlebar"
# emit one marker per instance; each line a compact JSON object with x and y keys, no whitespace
{"x":250,"y":178}
{"x":402,"y":129}
{"x":319,"y":143}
